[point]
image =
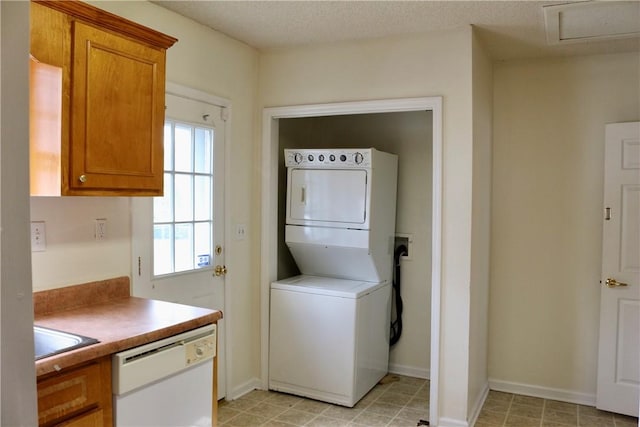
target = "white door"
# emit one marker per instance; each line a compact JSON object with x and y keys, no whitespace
{"x":327,"y":195}
{"x":178,"y":239}
{"x":619,"y":348}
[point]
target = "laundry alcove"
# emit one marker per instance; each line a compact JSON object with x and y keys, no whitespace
{"x":407,"y":128}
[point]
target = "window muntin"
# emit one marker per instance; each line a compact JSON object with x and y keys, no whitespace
{"x":183,"y":217}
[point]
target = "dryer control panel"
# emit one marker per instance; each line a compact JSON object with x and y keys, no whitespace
{"x":341,"y":158}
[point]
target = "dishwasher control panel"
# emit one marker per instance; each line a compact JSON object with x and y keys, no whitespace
{"x":200,"y":349}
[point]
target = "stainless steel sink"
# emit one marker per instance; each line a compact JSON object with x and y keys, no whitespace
{"x":50,"y":341}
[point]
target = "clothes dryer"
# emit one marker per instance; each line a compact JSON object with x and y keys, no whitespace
{"x":340,"y":212}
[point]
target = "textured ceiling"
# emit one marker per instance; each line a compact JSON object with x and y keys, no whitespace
{"x":509,"y":29}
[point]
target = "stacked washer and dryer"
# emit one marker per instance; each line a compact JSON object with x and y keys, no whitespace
{"x":329,"y":326}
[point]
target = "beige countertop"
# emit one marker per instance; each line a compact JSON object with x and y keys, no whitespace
{"x":105,"y":311}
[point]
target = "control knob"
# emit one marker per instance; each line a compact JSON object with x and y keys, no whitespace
{"x":297,"y":157}
{"x":359,"y":158}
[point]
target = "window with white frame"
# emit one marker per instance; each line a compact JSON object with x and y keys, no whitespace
{"x":183,"y":217}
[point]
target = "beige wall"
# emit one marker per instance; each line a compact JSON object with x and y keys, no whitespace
{"x":427,"y":65}
{"x":549,"y":118}
{"x":211,"y":62}
{"x":18,"y":379}
{"x":482,"y":134}
{"x":72,"y":254}
{"x":409,"y":136}
{"x":548,"y":123}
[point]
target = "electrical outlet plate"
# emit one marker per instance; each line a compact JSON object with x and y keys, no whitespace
{"x":101,"y":229}
{"x":38,"y":236}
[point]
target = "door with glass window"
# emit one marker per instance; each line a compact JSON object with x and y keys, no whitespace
{"x":178,"y":239}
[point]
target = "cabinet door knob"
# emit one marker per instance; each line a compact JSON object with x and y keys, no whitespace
{"x":83,"y":178}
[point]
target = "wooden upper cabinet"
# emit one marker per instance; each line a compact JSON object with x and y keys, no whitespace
{"x":113,"y":83}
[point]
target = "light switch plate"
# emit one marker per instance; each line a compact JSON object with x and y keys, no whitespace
{"x":241,"y":231}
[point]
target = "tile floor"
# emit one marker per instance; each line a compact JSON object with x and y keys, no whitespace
{"x":401,"y":403}
{"x":506,"y":409}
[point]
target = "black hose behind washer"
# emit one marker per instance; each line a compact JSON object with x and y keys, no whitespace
{"x":396,"y":325}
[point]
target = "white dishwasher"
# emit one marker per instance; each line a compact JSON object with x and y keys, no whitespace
{"x":167,"y":382}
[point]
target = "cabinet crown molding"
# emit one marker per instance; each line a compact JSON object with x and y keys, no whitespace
{"x":107,"y":20}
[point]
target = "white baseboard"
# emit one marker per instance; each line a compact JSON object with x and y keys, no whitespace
{"x":242,"y":389}
{"x":452,"y":422}
{"x":409,"y":371}
{"x":570,"y":396}
{"x":477,"y":406}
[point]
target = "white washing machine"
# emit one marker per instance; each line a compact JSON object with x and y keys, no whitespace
{"x":329,"y":327}
{"x":329,"y":338}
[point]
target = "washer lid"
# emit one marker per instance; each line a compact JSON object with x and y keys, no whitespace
{"x":327,"y":286}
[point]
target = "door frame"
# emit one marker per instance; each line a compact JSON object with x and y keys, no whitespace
{"x":269,"y":236}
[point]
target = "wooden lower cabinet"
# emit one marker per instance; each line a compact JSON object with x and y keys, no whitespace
{"x":93,"y":418}
{"x":77,"y":397}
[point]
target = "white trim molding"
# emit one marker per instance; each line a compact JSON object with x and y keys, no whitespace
{"x":450,"y":422}
{"x":196,"y":95}
{"x":436,"y":260}
{"x":475,"y":412}
{"x":478,"y":404}
{"x":562,"y":395}
{"x":268,"y":268}
{"x":245,"y":388}
{"x":409,"y":371}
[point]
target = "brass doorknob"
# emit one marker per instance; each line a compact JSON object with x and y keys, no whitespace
{"x":613,"y":283}
{"x":220,"y":270}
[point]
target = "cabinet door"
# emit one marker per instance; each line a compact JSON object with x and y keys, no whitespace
{"x":79,"y":397}
{"x":90,"y":419}
{"x":64,"y":394}
{"x":117,"y":113}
